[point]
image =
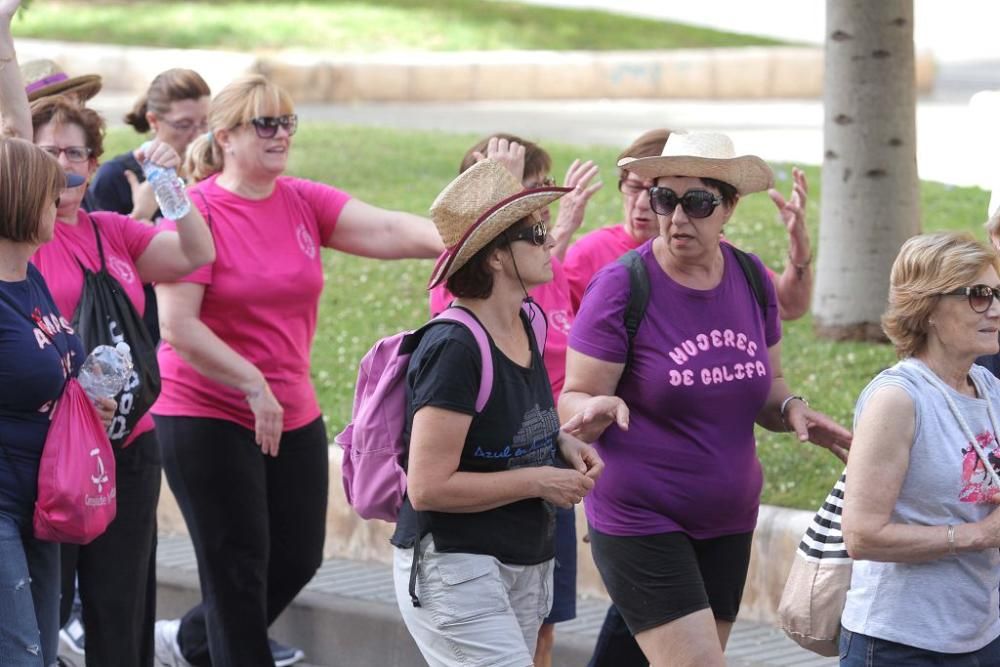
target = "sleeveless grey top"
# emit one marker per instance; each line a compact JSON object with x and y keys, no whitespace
{"x":949,"y":605}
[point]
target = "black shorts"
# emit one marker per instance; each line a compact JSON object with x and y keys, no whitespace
{"x":655,"y":579}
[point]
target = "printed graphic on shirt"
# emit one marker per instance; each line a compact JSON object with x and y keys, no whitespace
{"x":46,"y":328}
{"x":977,"y":484}
{"x":681,"y":355}
{"x":306,"y":242}
{"x":559,"y":319}
{"x":532,"y":445}
{"x":121,"y":269}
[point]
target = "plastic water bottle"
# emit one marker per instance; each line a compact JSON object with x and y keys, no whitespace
{"x":168,"y":188}
{"x":106,"y":370}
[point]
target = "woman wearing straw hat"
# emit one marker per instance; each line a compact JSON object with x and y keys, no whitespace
{"x":475,"y":537}
{"x":672,"y":519}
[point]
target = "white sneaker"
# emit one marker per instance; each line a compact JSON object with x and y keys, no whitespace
{"x":167,"y":651}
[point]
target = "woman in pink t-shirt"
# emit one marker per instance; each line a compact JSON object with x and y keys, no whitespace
{"x":116,"y":571}
{"x":243,"y":441}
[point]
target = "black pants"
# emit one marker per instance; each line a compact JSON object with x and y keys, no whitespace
{"x":616,"y":647}
{"x":257,"y":524}
{"x":117,"y":571}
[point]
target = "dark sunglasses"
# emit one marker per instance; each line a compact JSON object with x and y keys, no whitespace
{"x":267,"y":126}
{"x":980,"y":296}
{"x":696,"y":203}
{"x":536,"y":234}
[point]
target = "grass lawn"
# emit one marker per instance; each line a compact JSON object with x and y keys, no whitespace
{"x":366,"y":299}
{"x":357,"y":26}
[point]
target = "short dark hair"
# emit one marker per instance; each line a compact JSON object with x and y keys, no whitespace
{"x":647,"y":144}
{"x":64,"y":110}
{"x":536,"y":159}
{"x":474,"y":280}
{"x":726,"y":191}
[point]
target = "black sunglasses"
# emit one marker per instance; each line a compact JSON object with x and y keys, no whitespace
{"x":267,"y":126}
{"x":980,"y":296}
{"x":536,"y":234}
{"x":696,"y":203}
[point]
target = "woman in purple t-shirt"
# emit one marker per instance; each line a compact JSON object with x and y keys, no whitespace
{"x":672,"y":518}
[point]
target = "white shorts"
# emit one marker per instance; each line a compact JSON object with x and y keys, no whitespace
{"x":475,"y":611}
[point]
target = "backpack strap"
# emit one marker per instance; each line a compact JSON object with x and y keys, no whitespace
{"x":466,"y":319}
{"x":753,"y":276}
{"x":638,"y":296}
{"x":539,"y":328}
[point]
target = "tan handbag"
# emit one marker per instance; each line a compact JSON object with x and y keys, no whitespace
{"x":817,"y":585}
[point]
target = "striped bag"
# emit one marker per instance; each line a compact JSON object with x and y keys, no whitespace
{"x":817,"y":585}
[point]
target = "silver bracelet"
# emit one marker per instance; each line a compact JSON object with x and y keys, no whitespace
{"x":789,"y":399}
{"x":951,"y":539}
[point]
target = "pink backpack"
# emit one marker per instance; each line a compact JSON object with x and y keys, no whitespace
{"x":372,"y":468}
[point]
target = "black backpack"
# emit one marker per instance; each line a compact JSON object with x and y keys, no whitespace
{"x":105,"y":316}
{"x":638,"y":297}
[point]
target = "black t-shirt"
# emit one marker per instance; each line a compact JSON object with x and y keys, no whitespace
{"x":110,"y":191}
{"x":517,"y":428}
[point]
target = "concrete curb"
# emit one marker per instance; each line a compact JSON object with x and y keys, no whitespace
{"x":725,"y":73}
{"x":776,"y":537}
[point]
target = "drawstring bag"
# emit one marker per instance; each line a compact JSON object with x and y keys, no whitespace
{"x":76,"y":475}
{"x":76,"y":495}
{"x":106,"y":316}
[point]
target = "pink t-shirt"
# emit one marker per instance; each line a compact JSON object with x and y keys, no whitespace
{"x":261,"y":298}
{"x":554,"y":298}
{"x":592,"y":251}
{"x":124,"y":241}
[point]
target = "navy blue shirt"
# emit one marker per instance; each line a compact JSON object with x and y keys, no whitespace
{"x":31,"y":379}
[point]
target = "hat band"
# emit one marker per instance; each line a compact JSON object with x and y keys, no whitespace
{"x":58,"y":77}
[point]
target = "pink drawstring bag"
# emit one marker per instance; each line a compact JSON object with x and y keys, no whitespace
{"x":76,"y":476}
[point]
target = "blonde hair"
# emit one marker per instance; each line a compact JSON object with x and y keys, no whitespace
{"x":242,"y":100}
{"x":927,"y":266}
{"x":30,"y":180}
{"x":992,"y":225}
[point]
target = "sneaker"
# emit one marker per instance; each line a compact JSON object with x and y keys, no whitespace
{"x":72,"y":634}
{"x":167,"y":651}
{"x":285,"y":655}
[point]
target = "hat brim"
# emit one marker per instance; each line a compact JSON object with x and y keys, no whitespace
{"x":84,"y":87}
{"x":489,"y":225}
{"x":747,"y":173}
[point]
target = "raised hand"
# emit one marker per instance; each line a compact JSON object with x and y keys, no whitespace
{"x":508,"y":153}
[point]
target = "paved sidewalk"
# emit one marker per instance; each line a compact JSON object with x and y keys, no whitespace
{"x":347,"y":617}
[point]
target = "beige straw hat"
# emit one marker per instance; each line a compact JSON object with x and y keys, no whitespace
{"x":44,"y":78}
{"x":704,"y":155}
{"x":473,"y":209}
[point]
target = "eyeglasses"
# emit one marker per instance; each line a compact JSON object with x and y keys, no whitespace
{"x":267,"y":126}
{"x":536,"y":234}
{"x":634,"y":188}
{"x":980,"y":296}
{"x":186,"y":125}
{"x":696,"y":203}
{"x":546,"y":182}
{"x":73,"y":153}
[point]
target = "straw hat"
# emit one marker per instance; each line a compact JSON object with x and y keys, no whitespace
{"x":704,"y":155}
{"x":476,"y":207}
{"x":44,"y":78}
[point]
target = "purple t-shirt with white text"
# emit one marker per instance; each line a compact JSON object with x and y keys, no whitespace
{"x":699,"y":375}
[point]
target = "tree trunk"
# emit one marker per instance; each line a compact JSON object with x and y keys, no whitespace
{"x":871,"y":191}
